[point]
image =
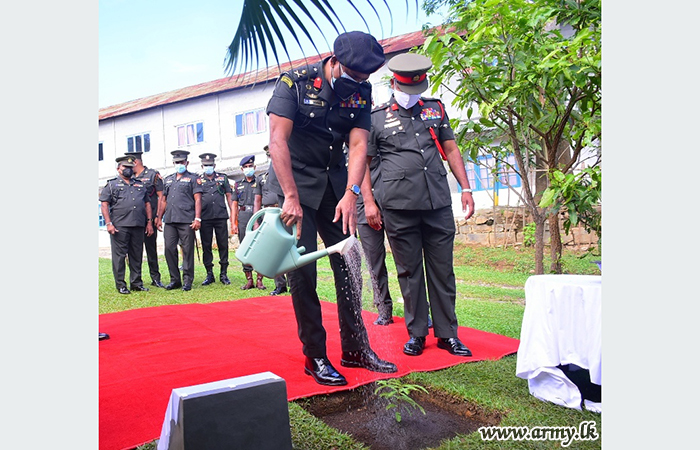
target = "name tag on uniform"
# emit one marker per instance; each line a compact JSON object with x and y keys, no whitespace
{"x":314,"y":102}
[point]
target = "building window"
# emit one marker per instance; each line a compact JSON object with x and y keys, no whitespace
{"x":488,"y":174}
{"x":100,"y":152}
{"x":139,"y":143}
{"x":190,"y":134}
{"x":251,"y":122}
{"x":100,"y":218}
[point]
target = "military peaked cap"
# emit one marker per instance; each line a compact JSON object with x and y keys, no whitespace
{"x":126,"y":160}
{"x":207,"y":159}
{"x":410,"y":72}
{"x":179,"y":155}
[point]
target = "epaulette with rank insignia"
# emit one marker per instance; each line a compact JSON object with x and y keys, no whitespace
{"x":380,"y":107}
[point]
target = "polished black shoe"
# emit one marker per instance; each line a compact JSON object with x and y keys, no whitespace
{"x":367,"y":359}
{"x":454,"y":346}
{"x":224,"y":280}
{"x":157,"y":284}
{"x":123,"y":290}
{"x":383,"y":320}
{"x":172,"y":286}
{"x":414,"y":346}
{"x":323,"y":372}
{"x":103,"y":336}
{"x":278,"y":291}
{"x":186,"y":287}
{"x":140,"y":288}
{"x":209,"y":280}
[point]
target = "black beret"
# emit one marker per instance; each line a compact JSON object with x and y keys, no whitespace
{"x":410,"y":72}
{"x":207,"y":159}
{"x":359,"y":51}
{"x":247,"y":159}
{"x":126,"y":160}
{"x":179,"y":155}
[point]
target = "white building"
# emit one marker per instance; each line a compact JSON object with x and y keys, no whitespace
{"x":227,"y":117}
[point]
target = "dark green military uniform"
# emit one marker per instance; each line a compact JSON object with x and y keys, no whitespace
{"x":373,"y":247}
{"x":244,"y":193}
{"x":154,"y":184}
{"x":216,"y":191}
{"x":178,"y":216}
{"x":127,"y":202}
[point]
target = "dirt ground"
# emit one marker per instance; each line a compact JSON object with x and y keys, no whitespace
{"x":362,"y":414}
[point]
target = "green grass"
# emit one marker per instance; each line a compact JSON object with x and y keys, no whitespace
{"x":490,"y":297}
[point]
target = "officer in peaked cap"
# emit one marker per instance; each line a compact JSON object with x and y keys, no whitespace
{"x":154,"y":186}
{"x":179,"y":155}
{"x":180,"y":210}
{"x":313,"y":111}
{"x":417,"y":206}
{"x":217,"y":201}
{"x":127,"y":212}
{"x":126,"y":161}
{"x":207,"y":159}
{"x":247,"y":200}
{"x":410,"y":72}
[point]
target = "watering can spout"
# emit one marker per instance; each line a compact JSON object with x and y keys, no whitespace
{"x":341,"y":247}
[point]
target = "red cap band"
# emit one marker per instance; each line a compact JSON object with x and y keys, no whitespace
{"x":409,"y":80}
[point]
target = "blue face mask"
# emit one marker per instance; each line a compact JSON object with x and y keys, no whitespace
{"x":180,"y":168}
{"x":209,"y":170}
{"x":249,"y":172}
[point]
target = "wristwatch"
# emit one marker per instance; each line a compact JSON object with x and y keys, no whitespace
{"x":355,"y":189}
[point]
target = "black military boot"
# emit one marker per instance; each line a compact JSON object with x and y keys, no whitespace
{"x":223,"y":277}
{"x":209,"y":279}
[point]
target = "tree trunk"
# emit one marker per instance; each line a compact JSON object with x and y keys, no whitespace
{"x":555,"y":243}
{"x":539,"y":243}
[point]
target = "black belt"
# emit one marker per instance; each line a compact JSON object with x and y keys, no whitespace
{"x":245,"y":208}
{"x":272,"y":205}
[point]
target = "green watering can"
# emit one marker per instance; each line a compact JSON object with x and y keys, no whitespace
{"x":272,"y":250}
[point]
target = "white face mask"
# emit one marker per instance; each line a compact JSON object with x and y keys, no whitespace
{"x":406,"y":100}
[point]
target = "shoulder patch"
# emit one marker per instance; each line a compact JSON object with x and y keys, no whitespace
{"x":286,"y":80}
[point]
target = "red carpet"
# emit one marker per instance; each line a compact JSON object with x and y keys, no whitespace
{"x":154,"y":350}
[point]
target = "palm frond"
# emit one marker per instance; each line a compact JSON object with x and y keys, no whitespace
{"x":263,"y":24}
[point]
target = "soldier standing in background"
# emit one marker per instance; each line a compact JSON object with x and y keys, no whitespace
{"x":154,"y":186}
{"x":247,"y":200}
{"x":126,"y":209}
{"x":269,"y":200}
{"x":369,"y":227}
{"x":216,"y":198}
{"x":181,"y":209}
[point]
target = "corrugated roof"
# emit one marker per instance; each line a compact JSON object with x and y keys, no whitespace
{"x":390,"y":45}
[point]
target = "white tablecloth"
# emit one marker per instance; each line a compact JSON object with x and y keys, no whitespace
{"x":561,"y":325}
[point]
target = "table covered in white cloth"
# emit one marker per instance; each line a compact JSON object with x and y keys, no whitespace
{"x":561,"y":325}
